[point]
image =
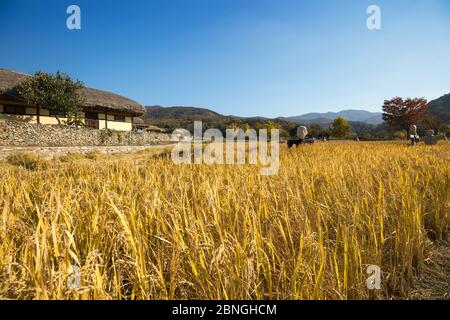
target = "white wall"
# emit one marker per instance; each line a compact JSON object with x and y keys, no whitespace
{"x":45,"y":118}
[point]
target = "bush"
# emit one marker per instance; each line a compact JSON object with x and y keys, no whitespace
{"x":28,"y":160}
{"x":71,"y":156}
{"x":93,"y":155}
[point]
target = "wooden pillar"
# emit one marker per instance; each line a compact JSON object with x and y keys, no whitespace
{"x":106,"y":119}
{"x":38,"y":115}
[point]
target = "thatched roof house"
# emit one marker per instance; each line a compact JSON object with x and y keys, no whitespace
{"x":102,"y":109}
{"x":140,"y":125}
{"x":138,"y":122}
{"x":152,"y":128}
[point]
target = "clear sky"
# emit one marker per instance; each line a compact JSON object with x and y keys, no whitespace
{"x":242,"y":57}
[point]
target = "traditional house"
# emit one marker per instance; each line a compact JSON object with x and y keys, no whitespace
{"x":139,"y":125}
{"x":101,"y":110}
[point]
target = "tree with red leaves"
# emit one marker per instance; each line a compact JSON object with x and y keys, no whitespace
{"x":403,"y":113}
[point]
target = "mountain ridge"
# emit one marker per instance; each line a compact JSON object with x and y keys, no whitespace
{"x":177,"y":112}
{"x":184,"y":116}
{"x":349,"y":114}
{"x":440,"y":108}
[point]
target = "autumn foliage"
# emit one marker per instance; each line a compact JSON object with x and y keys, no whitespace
{"x":402,"y":113}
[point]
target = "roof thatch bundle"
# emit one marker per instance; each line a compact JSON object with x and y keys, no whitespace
{"x":94,"y":99}
{"x":152,"y":128}
{"x":138,"y":121}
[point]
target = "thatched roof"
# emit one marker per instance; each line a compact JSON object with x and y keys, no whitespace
{"x":152,"y":128}
{"x":95,"y":99}
{"x":138,"y":121}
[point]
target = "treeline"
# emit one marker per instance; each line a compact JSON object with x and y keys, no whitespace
{"x":398,"y":115}
{"x":338,"y":129}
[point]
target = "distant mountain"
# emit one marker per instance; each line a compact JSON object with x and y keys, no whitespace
{"x":185,"y":113}
{"x":363,"y":122}
{"x":171,"y":118}
{"x":440,"y":108}
{"x":351,"y":115}
{"x":183,"y":117}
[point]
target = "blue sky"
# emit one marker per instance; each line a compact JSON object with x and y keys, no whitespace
{"x":242,"y":57}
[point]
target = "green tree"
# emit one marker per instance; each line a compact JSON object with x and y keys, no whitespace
{"x":269,"y":125}
{"x":57,"y":93}
{"x":315,"y":129}
{"x":340,"y":128}
{"x":259,"y":126}
{"x":233,"y":126}
{"x":430,"y":122}
{"x":245,"y":127}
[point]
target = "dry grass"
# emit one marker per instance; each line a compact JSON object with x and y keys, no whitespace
{"x":28,"y":160}
{"x":140,"y":227}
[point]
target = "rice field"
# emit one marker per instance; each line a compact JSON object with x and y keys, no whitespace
{"x":137,"y":226}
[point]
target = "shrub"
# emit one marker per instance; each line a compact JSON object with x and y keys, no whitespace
{"x":93,"y":155}
{"x":28,"y":160}
{"x":69,"y":157}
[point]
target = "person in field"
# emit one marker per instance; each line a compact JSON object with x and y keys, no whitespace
{"x":302,"y":132}
{"x":430,"y":138}
{"x":413,"y":134}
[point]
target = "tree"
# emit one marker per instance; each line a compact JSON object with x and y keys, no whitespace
{"x":403,"y":113}
{"x":401,"y":135}
{"x":245,"y":127}
{"x":446,"y":129}
{"x":233,"y":126}
{"x":431,"y":122}
{"x":340,"y":128}
{"x":361,"y":128}
{"x":270,"y":125}
{"x":58,"y":93}
{"x":315,"y":129}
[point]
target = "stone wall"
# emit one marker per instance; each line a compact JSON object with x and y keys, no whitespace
{"x":17,"y":133}
{"x":55,"y":152}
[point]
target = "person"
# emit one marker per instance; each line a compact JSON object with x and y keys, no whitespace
{"x":431,"y":139}
{"x":302,"y":132}
{"x":413,"y":134}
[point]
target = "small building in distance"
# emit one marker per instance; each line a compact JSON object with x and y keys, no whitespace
{"x":101,"y":110}
{"x":139,"y":125}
